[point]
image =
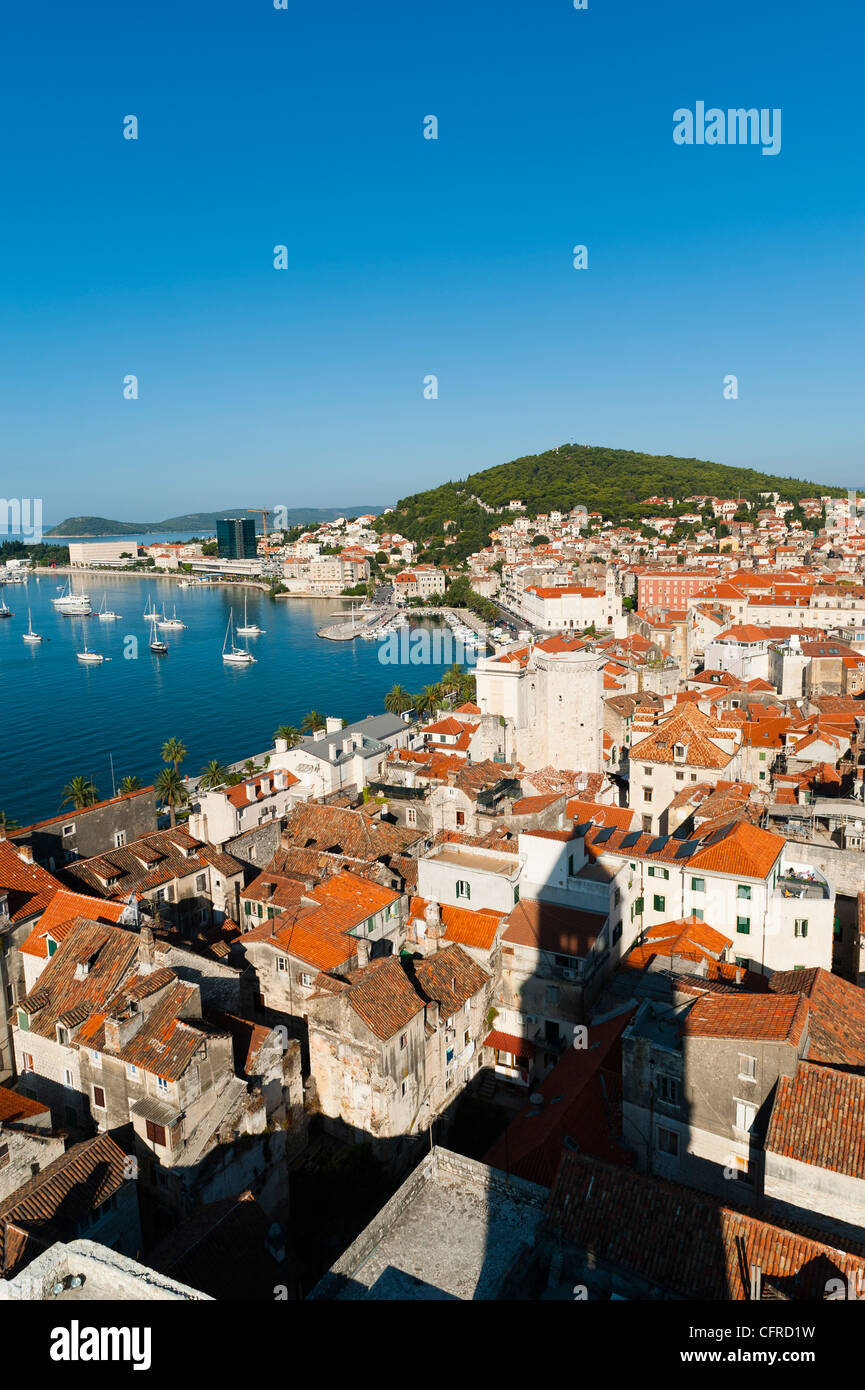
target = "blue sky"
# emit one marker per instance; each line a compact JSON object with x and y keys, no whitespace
{"x":408,"y":256}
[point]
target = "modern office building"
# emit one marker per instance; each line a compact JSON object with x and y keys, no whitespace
{"x":235,"y":538}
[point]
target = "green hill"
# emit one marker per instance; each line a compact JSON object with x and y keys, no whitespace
{"x":612,"y":481}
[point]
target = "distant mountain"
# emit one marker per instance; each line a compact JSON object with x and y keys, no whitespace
{"x":201,"y":521}
{"x":615,"y":482}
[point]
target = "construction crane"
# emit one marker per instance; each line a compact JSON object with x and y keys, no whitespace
{"x":264,"y":514}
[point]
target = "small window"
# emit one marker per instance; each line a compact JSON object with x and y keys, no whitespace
{"x":667,"y":1088}
{"x":201,"y":883}
{"x":698,"y":885}
{"x":617,"y":932}
{"x":282,"y":964}
{"x":68,"y":830}
{"x":68,"y":1078}
{"x":119,"y":839}
{"x":659,"y":903}
{"x":99,"y":1097}
{"x":161,"y":1083}
{"x":305,"y":980}
{"x":156,"y":1134}
{"x":800,"y":926}
{"x":647,"y":793}
{"x":743,"y":891}
{"x":411,"y":816}
{"x":27,"y":1061}
{"x":95,"y":1057}
{"x":403,"y":1040}
{"x":461,"y":817}
{"x":747,"y":1067}
{"x":668,"y":1141}
{"x":463,"y":888}
{"x":745,"y":1115}
{"x":743,"y":926}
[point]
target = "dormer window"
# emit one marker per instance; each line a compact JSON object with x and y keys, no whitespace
{"x":679,"y":751}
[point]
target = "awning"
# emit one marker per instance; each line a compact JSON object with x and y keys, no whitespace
{"x":508,"y":1042}
{"x":149,"y":1108}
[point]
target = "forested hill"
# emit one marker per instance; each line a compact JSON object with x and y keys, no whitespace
{"x":613,"y":481}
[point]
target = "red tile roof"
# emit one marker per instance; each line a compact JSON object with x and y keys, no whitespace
{"x":836,"y":1025}
{"x":685,"y":1242}
{"x":819,"y":1118}
{"x":757,"y":1017}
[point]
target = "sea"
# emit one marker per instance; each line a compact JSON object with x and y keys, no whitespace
{"x":61,"y":718}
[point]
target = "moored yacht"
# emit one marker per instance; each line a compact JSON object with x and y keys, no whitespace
{"x":30,"y":635}
{"x":248,"y":629}
{"x":231,"y":653}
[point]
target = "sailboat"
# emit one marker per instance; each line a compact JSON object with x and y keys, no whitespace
{"x":249,"y":629}
{"x":234,"y":655}
{"x":5,"y":610}
{"x":30,"y":635}
{"x":149,"y":611}
{"x":156,"y":643}
{"x":92,"y":658}
{"x":173,"y":623}
{"x":106,"y":615}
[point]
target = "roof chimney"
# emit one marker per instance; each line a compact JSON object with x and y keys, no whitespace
{"x":362,"y":952}
{"x":146,"y":943}
{"x":25,"y":852}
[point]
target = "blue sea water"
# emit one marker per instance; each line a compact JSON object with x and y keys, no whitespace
{"x":61,"y":719}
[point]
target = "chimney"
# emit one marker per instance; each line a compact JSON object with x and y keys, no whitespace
{"x":431,"y":1016}
{"x":146,"y":963}
{"x":362,"y":952}
{"x":251,"y":794}
{"x":333,"y":725}
{"x":280,"y":781}
{"x":265,"y":786}
{"x":25,"y":853}
{"x":122,"y":1024}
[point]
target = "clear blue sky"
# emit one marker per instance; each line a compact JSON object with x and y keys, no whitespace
{"x":409,"y":256}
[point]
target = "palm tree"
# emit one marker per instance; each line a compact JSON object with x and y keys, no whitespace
{"x":129,"y":784}
{"x":80,"y":792}
{"x":453,"y":677}
{"x":397,"y":700}
{"x":425,"y":702}
{"x":213,"y":775}
{"x":249,"y":767}
{"x":312,"y":720}
{"x":289,"y":733}
{"x":7,"y":823}
{"x":171,"y":790}
{"x":174,"y":752}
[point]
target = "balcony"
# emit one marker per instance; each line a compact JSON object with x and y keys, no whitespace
{"x":803,"y":883}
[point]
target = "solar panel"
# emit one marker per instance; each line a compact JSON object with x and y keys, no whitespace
{"x":583,"y":829}
{"x":631,"y":839}
{"x":686,"y":850}
{"x":603,"y":835}
{"x":657,"y":845}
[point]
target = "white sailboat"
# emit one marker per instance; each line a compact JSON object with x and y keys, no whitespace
{"x":30,"y":635}
{"x":249,"y":629}
{"x":91,"y":658}
{"x":149,"y":610}
{"x":157,"y":646}
{"x":5,"y":610}
{"x":173,"y":623}
{"x":106,"y":615}
{"x":234,"y":655}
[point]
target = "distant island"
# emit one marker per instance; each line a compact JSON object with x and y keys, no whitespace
{"x":200,"y":521}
